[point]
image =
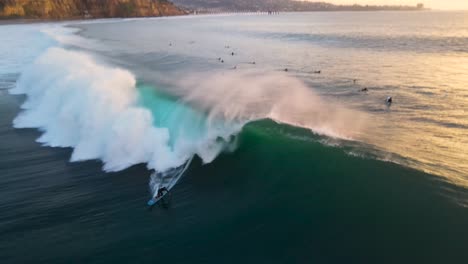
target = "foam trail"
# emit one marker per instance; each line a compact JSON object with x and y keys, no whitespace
{"x":16,"y":49}
{"x":68,"y":37}
{"x":94,"y":109}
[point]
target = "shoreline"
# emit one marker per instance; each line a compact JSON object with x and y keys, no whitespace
{"x":20,"y":21}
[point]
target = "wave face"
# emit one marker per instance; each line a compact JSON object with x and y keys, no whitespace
{"x":96,"y":110}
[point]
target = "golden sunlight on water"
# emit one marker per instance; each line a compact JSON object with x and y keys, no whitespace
{"x":431,"y":124}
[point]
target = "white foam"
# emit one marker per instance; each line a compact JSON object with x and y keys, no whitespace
{"x":94,"y":109}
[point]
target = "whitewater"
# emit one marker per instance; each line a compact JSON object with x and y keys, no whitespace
{"x":103,"y":113}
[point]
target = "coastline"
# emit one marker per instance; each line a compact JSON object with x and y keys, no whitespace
{"x":66,"y":10}
{"x":18,"y":21}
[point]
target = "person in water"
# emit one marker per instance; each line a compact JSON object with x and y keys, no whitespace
{"x":161,"y":192}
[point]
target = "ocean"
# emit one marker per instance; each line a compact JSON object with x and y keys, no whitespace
{"x":280,"y":125}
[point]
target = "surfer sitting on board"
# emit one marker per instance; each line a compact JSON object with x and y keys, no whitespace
{"x":161,"y":192}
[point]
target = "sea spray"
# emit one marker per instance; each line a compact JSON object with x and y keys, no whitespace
{"x":247,"y":95}
{"x":95,"y":110}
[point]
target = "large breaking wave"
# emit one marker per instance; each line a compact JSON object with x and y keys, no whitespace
{"x":102,"y":112}
{"x":95,"y":110}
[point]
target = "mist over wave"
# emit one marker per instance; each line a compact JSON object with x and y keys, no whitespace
{"x":248,"y":95}
{"x":95,"y":110}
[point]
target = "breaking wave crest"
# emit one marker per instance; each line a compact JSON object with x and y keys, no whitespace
{"x":103,"y":113}
{"x":248,"y":95}
{"x":97,"y":111}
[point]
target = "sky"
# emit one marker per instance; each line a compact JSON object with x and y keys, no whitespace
{"x":434,"y":4}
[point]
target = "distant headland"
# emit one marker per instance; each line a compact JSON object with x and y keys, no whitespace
{"x":83,"y":9}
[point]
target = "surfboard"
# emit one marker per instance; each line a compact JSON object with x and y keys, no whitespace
{"x":167,"y":179}
{"x":153,"y":201}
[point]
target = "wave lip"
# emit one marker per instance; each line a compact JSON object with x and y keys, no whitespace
{"x":94,"y":109}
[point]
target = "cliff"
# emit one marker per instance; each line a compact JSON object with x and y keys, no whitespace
{"x":76,"y":9}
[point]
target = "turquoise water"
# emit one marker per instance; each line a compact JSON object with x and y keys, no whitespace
{"x":168,"y":112}
{"x":289,"y":167}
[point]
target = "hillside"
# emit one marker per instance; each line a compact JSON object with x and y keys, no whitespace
{"x":75,"y":9}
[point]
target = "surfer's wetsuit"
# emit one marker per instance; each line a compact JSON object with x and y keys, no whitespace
{"x":160,"y":191}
